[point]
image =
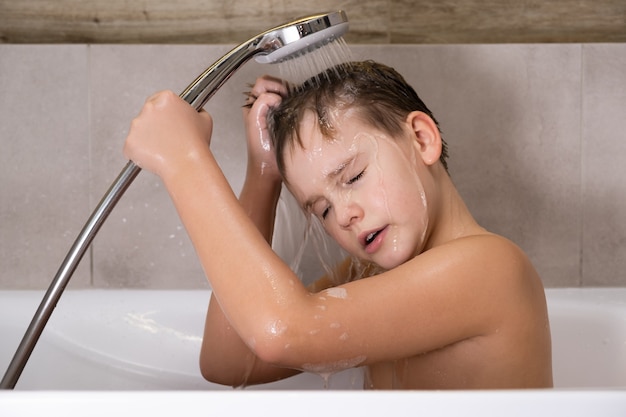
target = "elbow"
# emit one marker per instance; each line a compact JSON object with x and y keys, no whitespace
{"x":215,"y":372}
{"x":210,"y":375}
{"x":270,"y":341}
{"x":276,"y":343}
{"x":236,"y":366}
{"x":247,"y":370}
{"x":218,"y":368}
{"x":272,"y":352}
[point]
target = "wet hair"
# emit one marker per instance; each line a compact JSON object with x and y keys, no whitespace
{"x":381,"y":96}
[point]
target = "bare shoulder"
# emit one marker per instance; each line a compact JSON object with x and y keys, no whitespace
{"x":485,"y":244}
{"x":503,"y":277}
{"x":486,"y":317}
{"x":487,"y":271}
{"x":494,"y":257}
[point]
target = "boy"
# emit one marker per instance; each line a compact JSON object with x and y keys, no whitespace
{"x":443,"y":302}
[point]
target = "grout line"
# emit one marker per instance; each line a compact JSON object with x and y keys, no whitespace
{"x":581,"y":280}
{"x":90,"y":156}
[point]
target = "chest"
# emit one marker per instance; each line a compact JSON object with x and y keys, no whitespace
{"x":454,"y":366}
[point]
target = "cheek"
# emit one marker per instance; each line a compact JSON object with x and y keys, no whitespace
{"x":399,"y":182}
{"x":403,"y":198}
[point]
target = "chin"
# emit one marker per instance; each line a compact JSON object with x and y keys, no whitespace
{"x":393,"y":261}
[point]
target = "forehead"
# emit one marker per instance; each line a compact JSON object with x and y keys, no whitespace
{"x":320,"y":146}
{"x":310,"y":165}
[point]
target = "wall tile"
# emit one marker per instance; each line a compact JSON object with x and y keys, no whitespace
{"x":143,"y":243}
{"x":512,"y":114}
{"x":604,"y":153}
{"x":44,"y":161}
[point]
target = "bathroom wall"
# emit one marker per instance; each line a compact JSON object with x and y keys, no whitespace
{"x":536,"y":132}
{"x":371,"y":21}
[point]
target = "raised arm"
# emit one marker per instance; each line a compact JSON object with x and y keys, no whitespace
{"x":224,"y":357}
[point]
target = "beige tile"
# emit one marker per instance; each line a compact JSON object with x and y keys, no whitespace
{"x":143,"y":243}
{"x":511,"y":116}
{"x":44,"y":162}
{"x":604,"y":150}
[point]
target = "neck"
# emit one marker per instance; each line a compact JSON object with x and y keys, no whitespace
{"x":451,"y":218}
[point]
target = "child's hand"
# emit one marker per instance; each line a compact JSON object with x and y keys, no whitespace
{"x":167,"y":133}
{"x":266,"y":93}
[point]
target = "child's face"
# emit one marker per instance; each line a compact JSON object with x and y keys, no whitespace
{"x":364,"y":186}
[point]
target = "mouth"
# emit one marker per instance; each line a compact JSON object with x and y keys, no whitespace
{"x":371,"y":240}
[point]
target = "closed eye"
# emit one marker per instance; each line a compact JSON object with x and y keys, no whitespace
{"x":319,"y":208}
{"x":356,"y":178}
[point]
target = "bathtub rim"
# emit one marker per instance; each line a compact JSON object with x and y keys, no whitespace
{"x":595,"y":297}
{"x":283,"y":403}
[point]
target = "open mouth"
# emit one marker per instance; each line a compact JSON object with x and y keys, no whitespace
{"x":371,"y":241}
{"x":370,"y":238}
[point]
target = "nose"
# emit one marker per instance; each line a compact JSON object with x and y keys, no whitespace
{"x":348,"y":213}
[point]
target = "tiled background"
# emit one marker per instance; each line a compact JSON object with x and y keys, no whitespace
{"x":537,"y":135}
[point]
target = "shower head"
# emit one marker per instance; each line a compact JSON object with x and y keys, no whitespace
{"x":300,"y":36}
{"x":276,"y":45}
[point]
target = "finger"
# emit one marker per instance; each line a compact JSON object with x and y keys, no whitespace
{"x":265,"y":84}
{"x":160,"y":96}
{"x":153,"y":97}
{"x":207,"y":119}
{"x":250,"y":99}
{"x":271,"y":98}
{"x":263,"y":104}
{"x":270,"y":84}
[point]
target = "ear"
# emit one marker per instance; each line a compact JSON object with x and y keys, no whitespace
{"x":426,"y":136}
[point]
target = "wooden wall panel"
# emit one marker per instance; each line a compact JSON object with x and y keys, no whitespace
{"x":372,"y":21}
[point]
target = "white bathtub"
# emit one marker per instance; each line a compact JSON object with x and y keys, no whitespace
{"x":129,"y":348}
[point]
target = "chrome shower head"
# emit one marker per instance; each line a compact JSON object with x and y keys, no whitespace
{"x":300,"y":36}
{"x":273,"y":46}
